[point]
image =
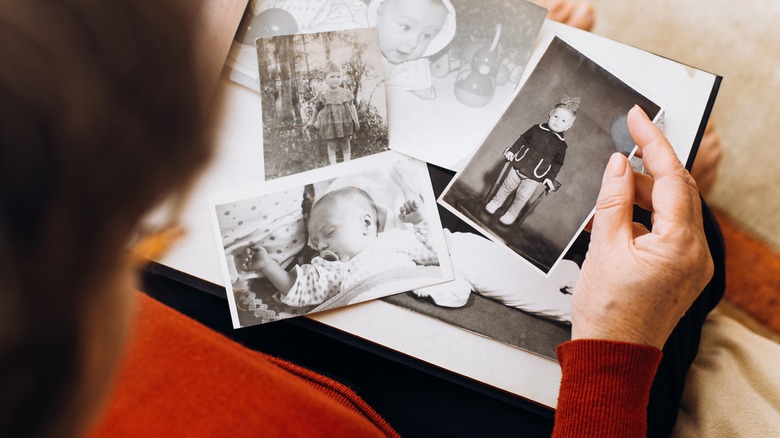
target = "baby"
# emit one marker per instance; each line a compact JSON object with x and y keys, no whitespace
{"x":409,"y":31}
{"x":343,"y":228}
{"x":536,"y":158}
{"x":485,"y":268}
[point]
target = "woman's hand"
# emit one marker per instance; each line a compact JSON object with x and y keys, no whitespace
{"x":636,"y":284}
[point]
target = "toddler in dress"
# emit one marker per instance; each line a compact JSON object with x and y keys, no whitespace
{"x":335,"y":115}
{"x":343,"y":228}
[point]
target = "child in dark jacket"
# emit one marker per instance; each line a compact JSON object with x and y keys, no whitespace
{"x":536,"y":158}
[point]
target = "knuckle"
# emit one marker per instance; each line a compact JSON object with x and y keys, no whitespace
{"x":610,"y":201}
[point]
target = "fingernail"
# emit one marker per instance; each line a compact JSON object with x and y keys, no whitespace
{"x":616,"y":166}
{"x":640,"y":110}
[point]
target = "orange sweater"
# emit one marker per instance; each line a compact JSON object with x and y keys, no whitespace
{"x":180,"y":378}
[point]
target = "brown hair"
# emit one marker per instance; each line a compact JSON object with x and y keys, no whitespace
{"x":101,"y":116}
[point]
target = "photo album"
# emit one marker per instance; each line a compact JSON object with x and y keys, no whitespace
{"x":418,"y":175}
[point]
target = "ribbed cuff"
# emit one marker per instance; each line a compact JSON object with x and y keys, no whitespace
{"x":605,"y":388}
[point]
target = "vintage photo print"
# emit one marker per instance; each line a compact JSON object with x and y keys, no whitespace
{"x":532,"y":185}
{"x":307,"y":247}
{"x":451,"y":66}
{"x":495,"y":294}
{"x":323,"y":100}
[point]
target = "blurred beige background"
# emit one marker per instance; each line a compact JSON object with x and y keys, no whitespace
{"x":741,"y":42}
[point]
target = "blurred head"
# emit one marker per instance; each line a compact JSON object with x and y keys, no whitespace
{"x":100,"y":113}
{"x":342,"y":223}
{"x":407,"y":27}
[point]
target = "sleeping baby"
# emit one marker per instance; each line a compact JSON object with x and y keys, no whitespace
{"x":343,"y":228}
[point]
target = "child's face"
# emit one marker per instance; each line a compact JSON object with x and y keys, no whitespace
{"x":560,"y":119}
{"x":406,"y":27}
{"x":333,"y":79}
{"x":342,"y":229}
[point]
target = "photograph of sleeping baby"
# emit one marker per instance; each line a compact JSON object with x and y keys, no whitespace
{"x":453,"y":63}
{"x":323,"y":100}
{"x":341,"y":241}
{"x":533,"y":183}
{"x":496,"y":295}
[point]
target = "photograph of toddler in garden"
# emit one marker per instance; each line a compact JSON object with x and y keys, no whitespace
{"x":323,"y":100}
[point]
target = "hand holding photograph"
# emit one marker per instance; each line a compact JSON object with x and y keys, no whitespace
{"x":358,"y":236}
{"x":532,"y":185}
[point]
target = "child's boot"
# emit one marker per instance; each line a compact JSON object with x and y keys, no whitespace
{"x":492,"y":206}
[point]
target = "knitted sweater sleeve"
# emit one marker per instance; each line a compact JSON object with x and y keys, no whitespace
{"x":605,"y":388}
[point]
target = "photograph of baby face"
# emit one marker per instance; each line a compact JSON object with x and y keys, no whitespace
{"x":323,"y":100}
{"x":532,"y":185}
{"x":453,"y":63}
{"x":314,"y":246}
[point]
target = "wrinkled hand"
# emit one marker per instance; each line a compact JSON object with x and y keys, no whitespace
{"x":410,"y":212}
{"x":635,"y":285}
{"x":252,"y":258}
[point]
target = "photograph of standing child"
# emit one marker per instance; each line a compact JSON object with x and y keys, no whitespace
{"x":552,"y":200}
{"x":536,"y":158}
{"x":323,"y":96}
{"x":335,"y":116}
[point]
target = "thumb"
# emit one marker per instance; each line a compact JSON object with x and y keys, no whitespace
{"x":614,"y":208}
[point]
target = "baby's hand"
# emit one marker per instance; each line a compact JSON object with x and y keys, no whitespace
{"x":509,"y":155}
{"x":426,"y":94}
{"x":252,"y":258}
{"x":410,"y":212}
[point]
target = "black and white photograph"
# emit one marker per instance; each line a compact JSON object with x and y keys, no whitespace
{"x":453,"y":63}
{"x":364,"y":234}
{"x":533,"y":183}
{"x":323,"y":100}
{"x":494,"y":294}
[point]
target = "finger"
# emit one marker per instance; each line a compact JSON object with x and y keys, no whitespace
{"x":674,"y":194}
{"x":640,"y":230}
{"x":643,"y":196}
{"x":589,"y":225}
{"x":657,"y":154}
{"x":615,"y":205}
